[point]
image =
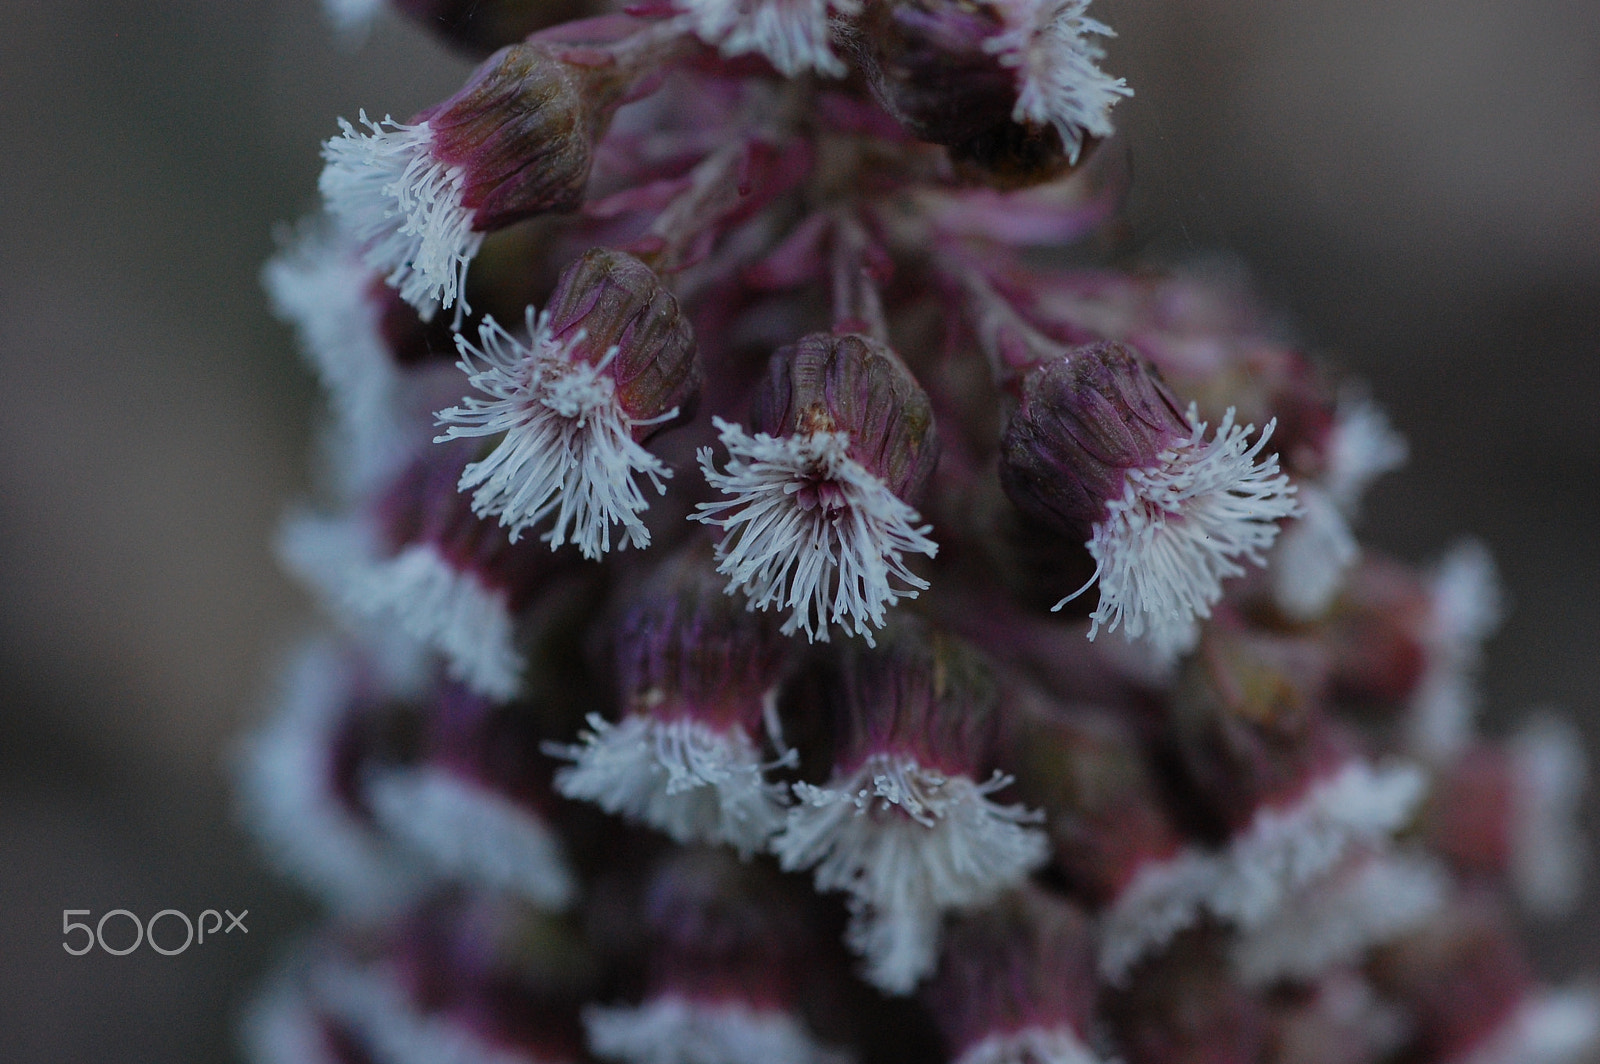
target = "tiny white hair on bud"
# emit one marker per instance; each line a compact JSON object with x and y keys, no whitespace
{"x":568,"y":446}
{"x":1163,"y":898}
{"x":1030,"y":1045}
{"x":374,"y":1005}
{"x":1312,"y":556}
{"x":435,"y":603}
{"x":841,"y":569}
{"x":405,"y":205}
{"x":793,"y":35}
{"x":286,"y":779}
{"x":1550,"y":1027}
{"x":1548,"y":846}
{"x":1284,"y":849}
{"x":670,"y":1029}
{"x":281,"y":1027}
{"x":472,"y":834}
{"x":1464,"y":610}
{"x":1368,"y":900}
{"x":1051,"y":44}
{"x":1181,"y":527}
{"x":907,"y":843}
{"x":1362,"y":447}
{"x":682,"y":777}
{"x":319,"y":284}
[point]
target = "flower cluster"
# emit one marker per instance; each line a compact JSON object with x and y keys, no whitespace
{"x":993,"y":674}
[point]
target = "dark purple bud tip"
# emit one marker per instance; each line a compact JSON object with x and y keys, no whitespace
{"x":1084,"y":422}
{"x":625,"y":315}
{"x":523,"y":132}
{"x":856,"y":385}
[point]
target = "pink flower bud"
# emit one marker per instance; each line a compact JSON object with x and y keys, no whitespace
{"x":1099,"y":450}
{"x":608,"y":364}
{"x":517,"y":140}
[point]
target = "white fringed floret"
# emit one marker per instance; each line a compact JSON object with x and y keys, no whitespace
{"x":405,"y":205}
{"x":1316,"y":551}
{"x":794,"y":35}
{"x":1030,"y":1045}
{"x":438,"y":605}
{"x":1312,"y":557}
{"x":681,"y":777}
{"x":1181,"y":527}
{"x":281,"y":1027}
{"x":473,"y":834}
{"x":672,"y":1030}
{"x":1361,"y":448}
{"x":1363,"y":903}
{"x":845,"y":569}
{"x":374,"y":1005}
{"x":907,"y":843}
{"x":1464,"y":610}
{"x":1051,"y":45}
{"x":1548,"y":846}
{"x":1163,"y":898}
{"x":1284,"y":849}
{"x":286,"y":796}
{"x":568,"y":448}
{"x":1552,"y":1027}
{"x":319,"y":284}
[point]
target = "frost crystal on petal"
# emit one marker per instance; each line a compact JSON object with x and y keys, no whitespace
{"x":1181,"y":527}
{"x":811,"y":530}
{"x":794,"y":35}
{"x":1360,"y":904}
{"x":907,"y":843}
{"x":568,"y":446}
{"x":1285,"y":849}
{"x":1051,"y":44}
{"x":681,"y":777}
{"x":671,"y":1030}
{"x":1031,"y":1045}
{"x":472,"y":833}
{"x":405,"y":205}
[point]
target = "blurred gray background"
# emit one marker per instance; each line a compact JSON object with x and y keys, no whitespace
{"x":1416,"y":181}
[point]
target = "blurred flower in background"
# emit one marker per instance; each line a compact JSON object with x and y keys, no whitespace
{"x":1417,"y":184}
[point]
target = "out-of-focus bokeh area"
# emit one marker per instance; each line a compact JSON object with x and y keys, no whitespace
{"x":1416,"y":182}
